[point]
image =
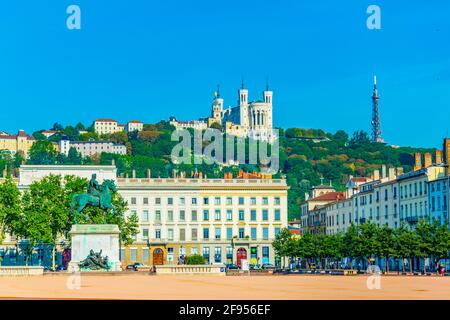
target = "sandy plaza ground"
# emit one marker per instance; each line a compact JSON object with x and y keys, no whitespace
{"x":139,"y":286}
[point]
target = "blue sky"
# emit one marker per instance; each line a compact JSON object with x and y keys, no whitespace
{"x":148,"y":60}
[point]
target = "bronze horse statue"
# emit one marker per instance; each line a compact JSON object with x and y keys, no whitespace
{"x":102,"y":198}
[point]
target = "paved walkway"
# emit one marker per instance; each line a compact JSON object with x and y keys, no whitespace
{"x":219,"y":287}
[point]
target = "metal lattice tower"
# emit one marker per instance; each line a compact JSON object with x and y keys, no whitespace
{"x":376,"y":123}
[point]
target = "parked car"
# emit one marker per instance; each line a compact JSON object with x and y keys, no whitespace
{"x":268,"y":266}
{"x":232,"y":266}
{"x":135,"y":266}
{"x":255,"y":267}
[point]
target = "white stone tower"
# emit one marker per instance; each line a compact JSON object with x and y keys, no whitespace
{"x":243,"y":106}
{"x":268,"y":95}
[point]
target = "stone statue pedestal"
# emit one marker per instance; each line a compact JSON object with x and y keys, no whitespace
{"x":96,"y":237}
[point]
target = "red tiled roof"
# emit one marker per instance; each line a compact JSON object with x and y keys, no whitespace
{"x":359,"y":179}
{"x":8,"y":136}
{"x":135,"y":121}
{"x":331,"y":196}
{"x":105,"y":120}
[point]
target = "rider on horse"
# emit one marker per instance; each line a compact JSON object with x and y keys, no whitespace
{"x":95,"y":189}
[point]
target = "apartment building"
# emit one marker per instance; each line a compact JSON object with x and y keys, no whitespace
{"x":225,"y":220}
{"x":92,"y":147}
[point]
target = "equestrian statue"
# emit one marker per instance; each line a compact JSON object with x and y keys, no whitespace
{"x":98,"y":195}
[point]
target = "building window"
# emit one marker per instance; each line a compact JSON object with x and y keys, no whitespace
{"x":277,"y":201}
{"x":266,"y":233}
{"x":145,"y":200}
{"x":145,"y":255}
{"x":205,"y":215}
{"x":218,"y":236}
{"x":253,"y":232}
{"x":133,"y":254}
{"x":265,"y":215}
{"x":277,"y":215}
{"x":182,"y":234}
{"x":217,"y":254}
{"x":133,"y":200}
{"x":241,"y":215}
{"x":229,"y":201}
{"x":145,"y":216}
{"x":182,"y":215}
{"x":205,"y":200}
{"x":277,"y":231}
{"x":229,"y":215}
{"x":194,"y":201}
{"x":217,"y":201}
{"x":157,"y":201}
{"x":194,"y":234}
{"x":158,"y":216}
{"x":229,"y":233}
{"x":182,"y":201}
{"x":253,"y":215}
{"x":158,"y":234}
{"x":194,"y":215}
{"x":253,"y":201}
{"x":241,"y":201}
{"x":170,"y":215}
{"x":206,"y":254}
{"x":229,"y":253}
{"x":169,"y":201}
{"x":241,"y":233}
{"x":217,"y":215}
{"x":170,"y":234}
{"x":206,"y":233}
{"x":145,"y":234}
{"x":265,"y":201}
{"x":265,"y":254}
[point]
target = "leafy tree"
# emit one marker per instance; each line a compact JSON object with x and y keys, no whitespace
{"x":352,"y":244}
{"x":386,"y":241}
{"x":73,"y":157}
{"x":405,"y":244}
{"x":57,"y":127}
{"x":44,"y":217}
{"x":80,"y":126}
{"x":282,"y":245}
{"x":440,"y":242}
{"x":43,"y":152}
{"x":9,"y":207}
{"x":39,"y":136}
{"x":118,"y":137}
{"x":359,"y":138}
{"x":425,"y":233}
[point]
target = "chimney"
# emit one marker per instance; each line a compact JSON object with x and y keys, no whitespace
{"x":428,"y":160}
{"x":134,"y":174}
{"x":383,"y":171}
{"x":438,"y":157}
{"x":399,"y":171}
{"x":376,"y":175}
{"x":417,"y":162}
{"x":391,"y":174}
{"x":149,"y":173}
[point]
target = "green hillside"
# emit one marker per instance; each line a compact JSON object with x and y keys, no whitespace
{"x":306,"y":155}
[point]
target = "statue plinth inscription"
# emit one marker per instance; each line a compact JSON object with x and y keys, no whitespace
{"x":95,"y":247}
